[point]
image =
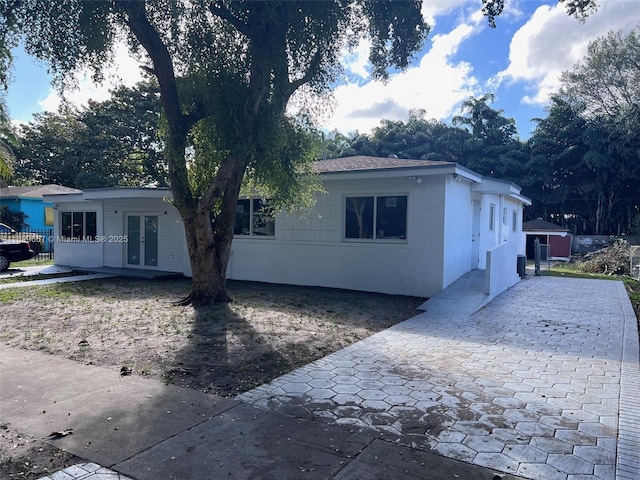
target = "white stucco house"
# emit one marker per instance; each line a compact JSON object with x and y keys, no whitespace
{"x":408,"y":227}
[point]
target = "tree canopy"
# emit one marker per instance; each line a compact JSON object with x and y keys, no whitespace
{"x":105,"y":144}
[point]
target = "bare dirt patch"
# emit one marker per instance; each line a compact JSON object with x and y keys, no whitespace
{"x":266,"y":331}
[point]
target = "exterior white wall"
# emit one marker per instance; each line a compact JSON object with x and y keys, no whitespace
{"x":313,"y":251}
{"x":503,"y":231}
{"x":458,"y":229}
{"x":171,"y":239}
{"x":78,"y":254}
{"x":501,"y":263}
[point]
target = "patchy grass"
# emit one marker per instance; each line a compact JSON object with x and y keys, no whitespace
{"x":224,"y":349}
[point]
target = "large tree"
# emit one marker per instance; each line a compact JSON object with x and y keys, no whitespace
{"x":105,"y":144}
{"x":605,"y":86}
{"x":225,"y":67}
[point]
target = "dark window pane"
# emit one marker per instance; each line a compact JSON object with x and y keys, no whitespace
{"x":243,"y":214}
{"x":77,"y":228}
{"x":359,"y":217}
{"x":391,"y":217}
{"x":91,"y":225}
{"x":66,"y":224}
{"x":263,"y":218}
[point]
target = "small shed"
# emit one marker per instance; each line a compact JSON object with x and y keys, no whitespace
{"x":557,"y":239}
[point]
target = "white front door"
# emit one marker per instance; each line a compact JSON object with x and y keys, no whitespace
{"x":142,"y":240}
{"x":475,"y":236}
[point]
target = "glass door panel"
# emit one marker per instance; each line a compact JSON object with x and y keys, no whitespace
{"x":150,"y":240}
{"x":134,"y":240}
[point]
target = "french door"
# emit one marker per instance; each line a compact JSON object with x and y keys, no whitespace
{"x":142,"y":240}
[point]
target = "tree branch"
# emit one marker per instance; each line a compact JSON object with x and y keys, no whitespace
{"x":223,"y":13}
{"x":314,"y":65}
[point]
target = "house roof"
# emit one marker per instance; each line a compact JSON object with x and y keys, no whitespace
{"x":539,"y":225}
{"x":36,"y":191}
{"x":364,"y":163}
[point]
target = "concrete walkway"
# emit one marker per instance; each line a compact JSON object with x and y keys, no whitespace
{"x":45,"y":270}
{"x":541,"y":384}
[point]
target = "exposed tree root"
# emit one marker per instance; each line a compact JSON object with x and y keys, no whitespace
{"x":198,"y":300}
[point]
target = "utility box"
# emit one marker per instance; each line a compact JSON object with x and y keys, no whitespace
{"x":522,"y":266}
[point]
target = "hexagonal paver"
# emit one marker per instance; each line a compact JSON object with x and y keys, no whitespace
{"x":396,"y":390}
{"x":400,"y":400}
{"x":346,"y":388}
{"x":455,"y":450}
{"x":597,"y":430}
{"x":509,"y":402}
{"x":345,"y":379}
{"x":558,"y":422}
{"x":370,"y":384}
{"x":376,"y":405}
{"x":535,"y":429}
{"x":321,"y":383}
{"x":575,"y":438}
{"x":540,"y":471}
{"x":296,"y":388}
{"x":346,"y":399}
{"x":473,"y":428}
{"x":551,"y":445}
{"x":483,"y":444}
{"x":525,"y":453}
{"x":372,"y":394}
{"x":595,"y":455}
{"x":570,"y":464}
{"x":320,"y":393}
{"x":520,"y":415}
{"x":498,"y":461}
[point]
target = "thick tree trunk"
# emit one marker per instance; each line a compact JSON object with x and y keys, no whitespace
{"x":209,"y":241}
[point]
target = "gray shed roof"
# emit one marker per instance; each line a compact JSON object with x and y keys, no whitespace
{"x":539,"y":225}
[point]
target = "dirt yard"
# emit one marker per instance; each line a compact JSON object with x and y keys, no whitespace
{"x":130,"y":324}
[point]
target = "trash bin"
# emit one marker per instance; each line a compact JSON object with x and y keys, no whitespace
{"x":522,"y":266}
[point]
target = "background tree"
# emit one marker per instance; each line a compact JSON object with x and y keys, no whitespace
{"x":493,"y":147}
{"x":7,"y":138}
{"x":111,"y":143}
{"x":604,"y":87}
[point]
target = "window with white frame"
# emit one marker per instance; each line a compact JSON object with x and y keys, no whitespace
{"x":254,"y":217}
{"x":492,"y":217}
{"x":504,"y":216}
{"x":377,"y":217}
{"x":81,"y":226}
{"x":514,"y":221}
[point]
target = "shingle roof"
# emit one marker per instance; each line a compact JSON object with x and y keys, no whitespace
{"x":363,"y":163}
{"x":542,"y":225}
{"x":37,"y":191}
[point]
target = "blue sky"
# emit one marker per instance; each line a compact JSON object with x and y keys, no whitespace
{"x":519,"y":61}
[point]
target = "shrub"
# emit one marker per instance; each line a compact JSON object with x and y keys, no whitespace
{"x":613,"y":260}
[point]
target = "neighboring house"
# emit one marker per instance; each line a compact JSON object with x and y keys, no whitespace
{"x":555,"y":239}
{"x":28,"y":200}
{"x":408,"y":227}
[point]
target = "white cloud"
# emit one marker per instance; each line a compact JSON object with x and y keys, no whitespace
{"x":435,"y":85}
{"x":125,"y":71}
{"x":431,"y":9}
{"x":357,"y":61}
{"x":552,"y":42}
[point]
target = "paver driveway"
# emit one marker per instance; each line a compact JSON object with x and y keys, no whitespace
{"x":542,"y":383}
